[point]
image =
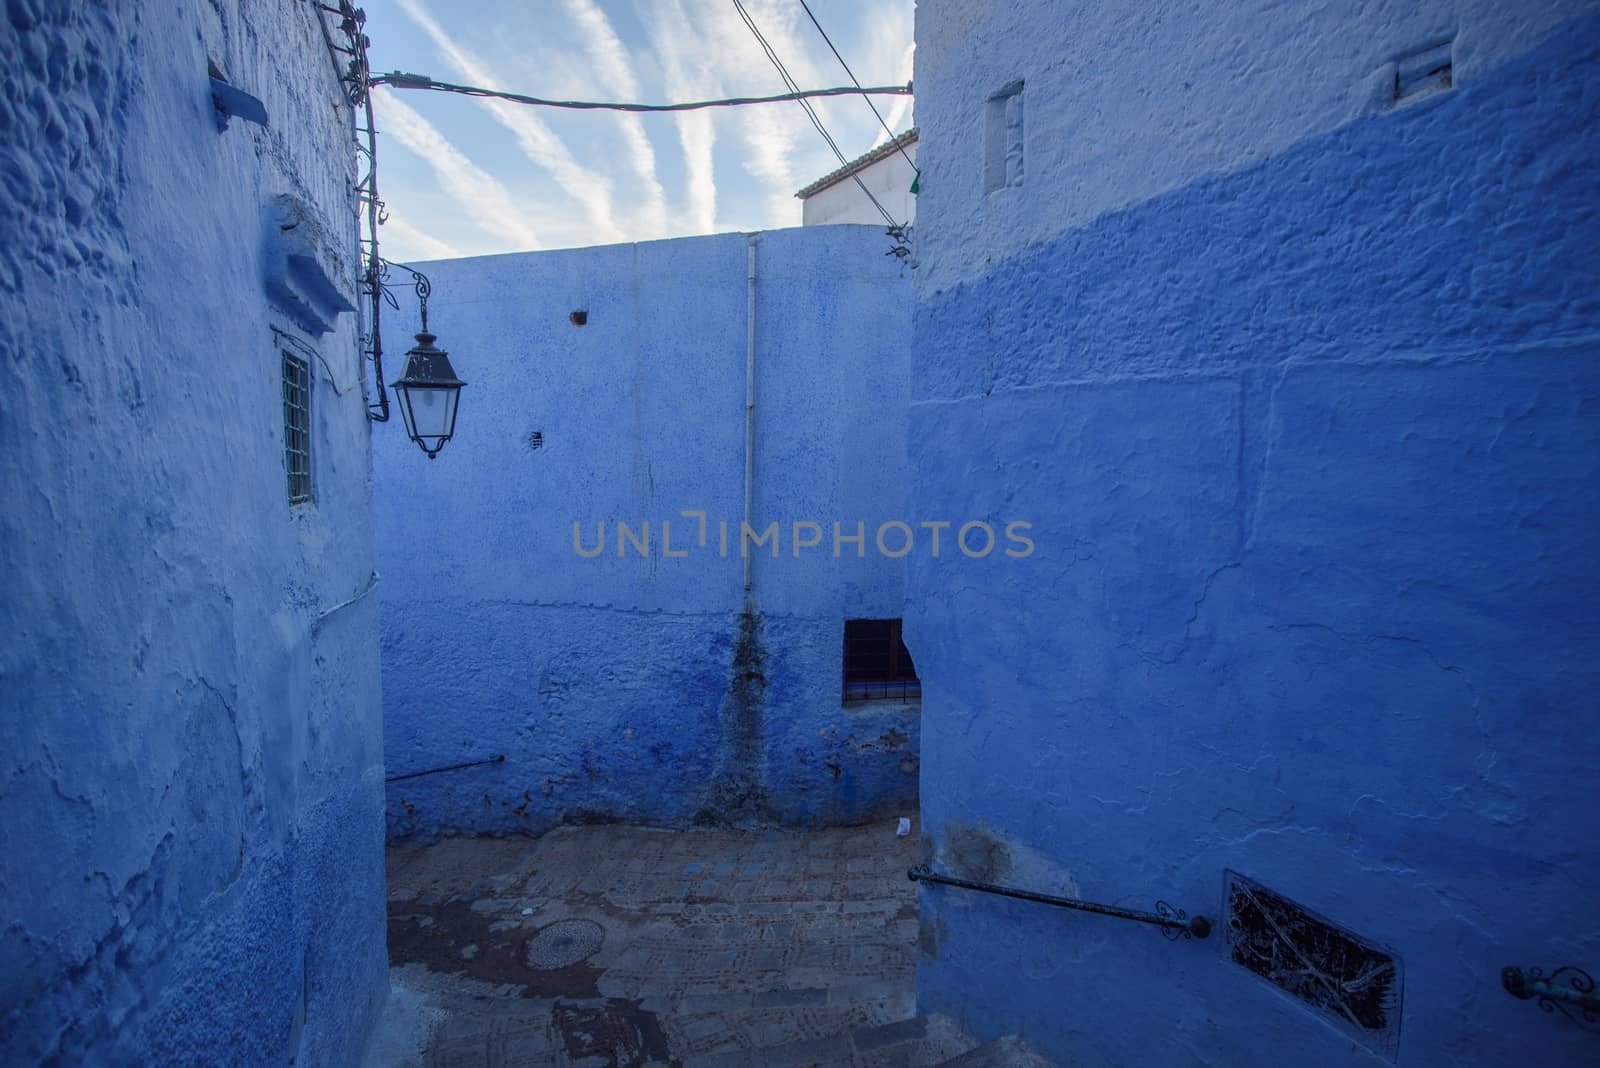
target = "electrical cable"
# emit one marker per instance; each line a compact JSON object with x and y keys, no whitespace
{"x":401,"y":80}
{"x":357,"y":82}
{"x":811,"y":112}
{"x":893,"y":137}
{"x":307,"y":350}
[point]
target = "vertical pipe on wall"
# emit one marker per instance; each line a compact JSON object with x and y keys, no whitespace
{"x":749,"y":401}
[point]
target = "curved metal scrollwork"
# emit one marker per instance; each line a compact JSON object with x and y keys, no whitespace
{"x":1178,"y":916}
{"x":380,"y":286}
{"x":1567,"y":989}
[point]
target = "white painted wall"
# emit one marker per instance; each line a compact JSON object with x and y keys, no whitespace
{"x":889,"y":179}
{"x":1127,"y":101}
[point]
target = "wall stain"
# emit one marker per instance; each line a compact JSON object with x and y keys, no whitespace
{"x":738,"y":794}
{"x":931,"y":934}
{"x":975,"y":853}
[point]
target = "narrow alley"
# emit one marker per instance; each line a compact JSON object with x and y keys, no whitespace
{"x":617,"y":945}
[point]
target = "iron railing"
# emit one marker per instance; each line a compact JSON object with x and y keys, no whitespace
{"x":500,"y":759}
{"x":1174,"y":923}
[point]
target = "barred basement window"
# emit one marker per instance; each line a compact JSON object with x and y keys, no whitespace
{"x":297,"y":427}
{"x":877,"y":664}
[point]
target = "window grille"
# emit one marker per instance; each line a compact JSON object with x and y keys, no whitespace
{"x":297,"y":427}
{"x":877,"y":664}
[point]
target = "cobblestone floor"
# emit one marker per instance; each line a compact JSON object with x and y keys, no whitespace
{"x":694,"y":947}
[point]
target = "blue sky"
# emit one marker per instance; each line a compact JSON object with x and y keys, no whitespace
{"x":462,"y":176}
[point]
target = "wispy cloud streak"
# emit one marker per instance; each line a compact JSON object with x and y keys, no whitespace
{"x":479,"y":194}
{"x":682,"y":56}
{"x":785,"y":151}
{"x":413,"y":243}
{"x":614,"y":68}
{"x":899,"y":115}
{"x":534,"y":137}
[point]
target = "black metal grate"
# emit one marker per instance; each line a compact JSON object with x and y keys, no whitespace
{"x":877,"y":664}
{"x":1351,"y":981}
{"x":297,"y":427}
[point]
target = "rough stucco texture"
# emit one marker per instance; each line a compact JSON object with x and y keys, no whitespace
{"x":641,"y":687}
{"x":191,"y":865}
{"x":1312,"y":450}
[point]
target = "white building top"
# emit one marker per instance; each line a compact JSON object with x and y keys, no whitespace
{"x":888,"y":171}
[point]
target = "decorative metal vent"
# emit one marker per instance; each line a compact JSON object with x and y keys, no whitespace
{"x":1352,"y":982}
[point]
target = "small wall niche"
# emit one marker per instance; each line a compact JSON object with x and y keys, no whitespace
{"x":1423,"y":73}
{"x":1003,"y":139}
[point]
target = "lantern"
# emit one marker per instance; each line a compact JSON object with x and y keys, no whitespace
{"x":428,"y":392}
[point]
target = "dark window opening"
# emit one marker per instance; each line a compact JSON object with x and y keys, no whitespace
{"x":297,"y":427}
{"x":877,"y":664}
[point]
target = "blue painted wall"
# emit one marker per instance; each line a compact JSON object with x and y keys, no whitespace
{"x":1301,"y":391}
{"x":647,"y":687}
{"x":191,"y":866}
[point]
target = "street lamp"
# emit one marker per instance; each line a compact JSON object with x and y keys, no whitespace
{"x":428,"y":391}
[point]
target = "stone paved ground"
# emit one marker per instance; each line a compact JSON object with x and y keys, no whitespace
{"x":693,"y":948}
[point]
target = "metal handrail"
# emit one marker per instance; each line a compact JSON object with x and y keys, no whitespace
{"x":1175,"y":923}
{"x":501,"y":759}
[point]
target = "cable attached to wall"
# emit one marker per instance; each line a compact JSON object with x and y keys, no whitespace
{"x":894,"y":138}
{"x":900,"y":234}
{"x":301,"y":347}
{"x":895,"y":230}
{"x":357,"y":81}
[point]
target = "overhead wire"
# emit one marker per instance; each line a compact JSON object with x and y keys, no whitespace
{"x":893,"y":137}
{"x":402,"y":80}
{"x":360,"y":81}
{"x":811,"y":113}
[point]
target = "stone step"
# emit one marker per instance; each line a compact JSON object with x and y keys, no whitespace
{"x":913,"y":1042}
{"x":1008,"y":1051}
{"x":898,"y":995}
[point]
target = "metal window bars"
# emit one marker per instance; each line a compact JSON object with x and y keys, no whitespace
{"x":902,"y":690}
{"x":297,"y":427}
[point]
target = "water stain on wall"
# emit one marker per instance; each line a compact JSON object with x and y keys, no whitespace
{"x":738,"y":794}
{"x":976,"y":853}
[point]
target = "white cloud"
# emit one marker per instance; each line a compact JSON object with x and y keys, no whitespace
{"x":771,"y":131}
{"x":613,"y":66}
{"x":627,"y":187}
{"x":537,"y":141}
{"x":898,"y":116}
{"x":786,"y":151}
{"x":479,"y":194}
{"x":404,"y":242}
{"x":687,"y":76}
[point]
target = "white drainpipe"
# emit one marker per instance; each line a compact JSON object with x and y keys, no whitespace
{"x":749,"y":403}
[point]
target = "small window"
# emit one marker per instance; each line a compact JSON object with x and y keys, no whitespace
{"x":297,"y":427}
{"x":877,"y":665}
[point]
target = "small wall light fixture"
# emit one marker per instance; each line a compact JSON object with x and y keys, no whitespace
{"x":428,"y":389}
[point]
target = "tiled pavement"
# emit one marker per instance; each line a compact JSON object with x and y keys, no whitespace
{"x":708,"y":948}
